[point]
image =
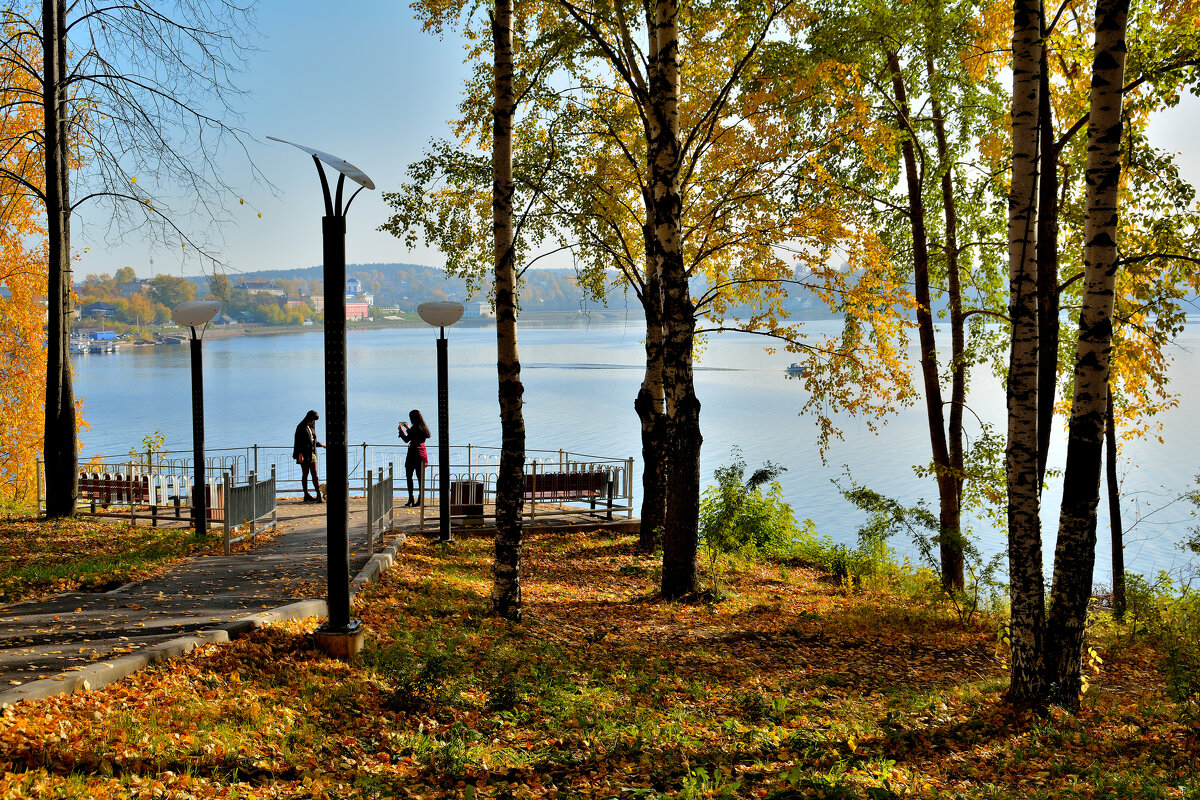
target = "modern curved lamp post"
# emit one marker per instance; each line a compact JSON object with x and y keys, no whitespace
{"x":340,"y":636}
{"x":194,"y":315}
{"x":441,"y":315}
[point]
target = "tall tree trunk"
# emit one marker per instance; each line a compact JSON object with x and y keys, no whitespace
{"x":61,"y":448}
{"x":1114,"y":509}
{"x":1027,"y":620}
{"x":510,"y":482}
{"x":1047,"y":260}
{"x":679,"y":315}
{"x":1075,"y":554}
{"x":951,"y":554}
{"x":651,"y":410}
{"x":951,"y":508}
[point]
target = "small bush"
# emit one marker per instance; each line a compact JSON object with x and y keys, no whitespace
{"x":870,"y":559}
{"x":1170,"y":615}
{"x":738,"y":517}
{"x":886,"y":517}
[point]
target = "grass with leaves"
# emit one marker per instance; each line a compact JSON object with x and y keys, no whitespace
{"x":86,"y":554}
{"x":794,"y":685}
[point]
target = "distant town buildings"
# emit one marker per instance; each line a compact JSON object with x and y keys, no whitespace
{"x":476,"y":309}
{"x":355,"y":294}
{"x":261,"y":287}
{"x":135,"y":286}
{"x":99,"y":310}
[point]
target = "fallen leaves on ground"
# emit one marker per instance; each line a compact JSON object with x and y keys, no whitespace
{"x":88,"y":554}
{"x":789,"y":688}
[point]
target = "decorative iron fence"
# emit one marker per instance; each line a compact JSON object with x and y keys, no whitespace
{"x":473,"y":478}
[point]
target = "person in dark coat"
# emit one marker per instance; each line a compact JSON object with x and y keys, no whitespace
{"x":304,"y":450}
{"x":418,"y":457}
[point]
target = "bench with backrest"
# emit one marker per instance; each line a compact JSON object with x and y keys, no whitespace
{"x":561,"y":487}
{"x":105,"y":489}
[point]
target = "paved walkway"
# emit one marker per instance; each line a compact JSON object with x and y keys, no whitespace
{"x":79,"y":640}
{"x":56,"y":644}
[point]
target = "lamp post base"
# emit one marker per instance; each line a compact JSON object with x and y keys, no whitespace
{"x":341,"y":643}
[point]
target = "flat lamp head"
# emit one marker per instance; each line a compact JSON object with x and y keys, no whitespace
{"x":440,"y":313}
{"x":195,"y":313}
{"x":340,"y":164}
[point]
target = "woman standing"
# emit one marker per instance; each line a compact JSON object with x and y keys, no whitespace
{"x":304,"y":451}
{"x":417,"y":458}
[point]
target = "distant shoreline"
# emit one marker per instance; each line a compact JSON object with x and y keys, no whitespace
{"x":169,"y":334}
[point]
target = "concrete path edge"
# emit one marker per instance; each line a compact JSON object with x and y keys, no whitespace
{"x":103,"y":673}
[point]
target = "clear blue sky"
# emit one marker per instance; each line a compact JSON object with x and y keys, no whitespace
{"x":361,"y":81}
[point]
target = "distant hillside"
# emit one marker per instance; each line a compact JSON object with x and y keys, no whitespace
{"x":407,"y":285}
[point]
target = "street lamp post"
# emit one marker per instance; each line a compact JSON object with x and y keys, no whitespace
{"x":441,"y":314}
{"x":340,"y":636}
{"x":193,"y":315}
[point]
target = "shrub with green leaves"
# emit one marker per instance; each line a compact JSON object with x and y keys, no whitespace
{"x":887,"y":517}
{"x":738,"y":516}
{"x":1170,"y":614}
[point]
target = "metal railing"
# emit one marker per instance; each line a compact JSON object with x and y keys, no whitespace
{"x":381,"y":502}
{"x":248,"y":504}
{"x":468,"y":463}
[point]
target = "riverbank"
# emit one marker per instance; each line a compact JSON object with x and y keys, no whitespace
{"x":149,"y":336}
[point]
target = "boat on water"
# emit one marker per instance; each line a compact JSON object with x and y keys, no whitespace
{"x":795,"y":369}
{"x":98,"y":342}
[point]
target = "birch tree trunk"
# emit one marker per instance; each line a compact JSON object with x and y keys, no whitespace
{"x":651,"y":410}
{"x":510,"y":482}
{"x":1047,"y":259}
{"x":1075,"y":554}
{"x":61,"y":446}
{"x":679,"y":576}
{"x":1027,"y":620}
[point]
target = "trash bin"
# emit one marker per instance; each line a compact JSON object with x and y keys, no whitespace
{"x":466,"y":500}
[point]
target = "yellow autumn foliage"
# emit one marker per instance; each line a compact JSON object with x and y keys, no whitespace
{"x":22,"y":308}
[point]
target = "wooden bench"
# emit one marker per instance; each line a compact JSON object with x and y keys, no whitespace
{"x":560,"y":487}
{"x":107,"y":489}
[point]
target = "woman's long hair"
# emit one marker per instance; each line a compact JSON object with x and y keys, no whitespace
{"x":418,"y":424}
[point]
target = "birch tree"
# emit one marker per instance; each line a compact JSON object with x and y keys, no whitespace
{"x":1075,"y":553}
{"x":590,"y":150}
{"x":126,"y":91}
{"x":510,"y":482}
{"x":1116,"y":336}
{"x":1027,"y":616}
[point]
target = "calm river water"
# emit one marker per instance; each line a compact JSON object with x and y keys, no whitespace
{"x":580,"y":383}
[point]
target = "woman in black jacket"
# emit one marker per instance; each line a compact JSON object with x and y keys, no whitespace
{"x":304,"y":450}
{"x":418,"y":458}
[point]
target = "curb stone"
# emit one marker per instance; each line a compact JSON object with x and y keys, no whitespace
{"x":103,"y":673}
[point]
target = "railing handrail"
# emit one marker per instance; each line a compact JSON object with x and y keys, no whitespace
{"x":159,"y":454}
{"x":481,"y":463}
